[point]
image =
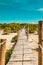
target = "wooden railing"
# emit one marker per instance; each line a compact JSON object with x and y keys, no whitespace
{"x":40,"y":55}
{"x":2,"y":51}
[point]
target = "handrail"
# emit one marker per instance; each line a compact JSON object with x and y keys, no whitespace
{"x":40,"y":47}
{"x":2,"y":43}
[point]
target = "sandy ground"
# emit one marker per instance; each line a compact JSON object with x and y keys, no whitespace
{"x":33,"y":42}
{"x":33,"y":39}
{"x":8,"y":39}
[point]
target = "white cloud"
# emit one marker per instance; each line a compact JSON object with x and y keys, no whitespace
{"x":40,"y":9}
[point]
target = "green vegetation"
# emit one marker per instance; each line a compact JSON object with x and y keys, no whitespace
{"x":15,"y":27}
{"x":31,"y":28}
{"x":7,"y":30}
{"x":9,"y":52}
{"x":14,"y":39}
{"x":11,"y":27}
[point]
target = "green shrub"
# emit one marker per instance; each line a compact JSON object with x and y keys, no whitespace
{"x":8,"y":54}
{"x":14,"y":39}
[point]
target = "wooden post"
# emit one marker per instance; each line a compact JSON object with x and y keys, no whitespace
{"x":40,"y":55}
{"x":2,"y":51}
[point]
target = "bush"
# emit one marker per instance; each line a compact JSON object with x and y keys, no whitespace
{"x":7,"y":30}
{"x":14,"y":39}
{"x":8,"y":54}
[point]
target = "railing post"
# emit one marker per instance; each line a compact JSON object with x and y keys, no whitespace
{"x":40,"y":55}
{"x":2,"y":51}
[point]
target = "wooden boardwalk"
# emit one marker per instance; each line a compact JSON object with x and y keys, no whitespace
{"x":22,"y":53}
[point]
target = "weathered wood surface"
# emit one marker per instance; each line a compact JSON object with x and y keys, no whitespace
{"x":22,"y":53}
{"x":2,"y":52}
{"x":40,"y":55}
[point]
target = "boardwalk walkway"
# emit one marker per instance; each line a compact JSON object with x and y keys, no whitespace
{"x":22,"y":53}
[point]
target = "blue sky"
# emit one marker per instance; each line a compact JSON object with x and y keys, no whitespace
{"x":21,"y":11}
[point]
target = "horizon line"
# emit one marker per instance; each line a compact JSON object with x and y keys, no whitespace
{"x":20,"y":21}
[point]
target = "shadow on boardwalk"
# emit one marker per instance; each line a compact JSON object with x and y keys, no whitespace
{"x":22,"y":53}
